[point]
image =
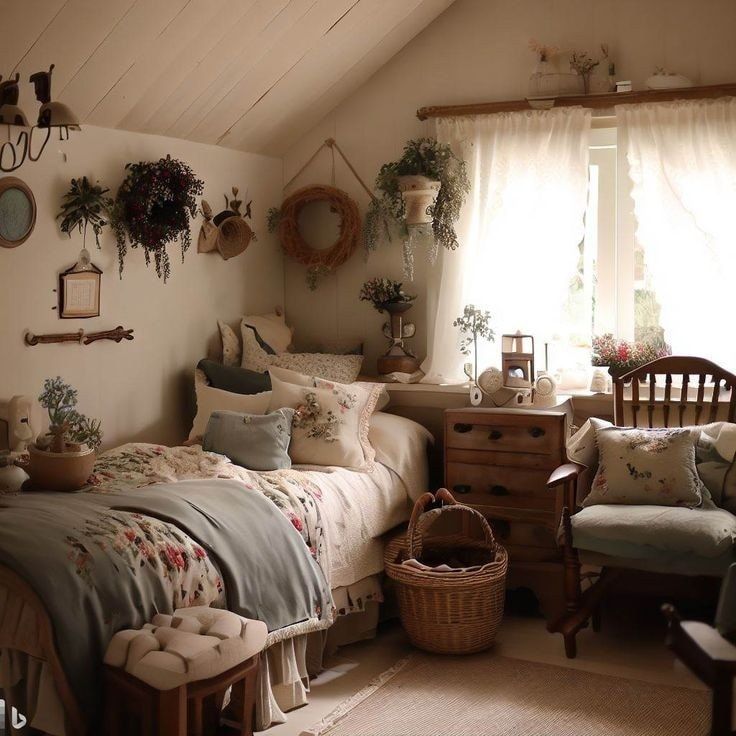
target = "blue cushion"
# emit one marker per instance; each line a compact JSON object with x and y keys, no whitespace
{"x":256,"y":442}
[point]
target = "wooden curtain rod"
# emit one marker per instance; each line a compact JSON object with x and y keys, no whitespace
{"x":593,"y":101}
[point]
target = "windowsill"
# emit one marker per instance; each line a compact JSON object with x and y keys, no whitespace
{"x":462,"y":388}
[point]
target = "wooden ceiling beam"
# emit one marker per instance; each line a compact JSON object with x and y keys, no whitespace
{"x":603,"y":101}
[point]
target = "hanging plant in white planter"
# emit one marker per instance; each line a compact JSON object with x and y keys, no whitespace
{"x":421,"y":197}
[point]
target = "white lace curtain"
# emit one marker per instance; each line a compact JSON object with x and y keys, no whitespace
{"x":682,"y":162}
{"x":519,"y":231}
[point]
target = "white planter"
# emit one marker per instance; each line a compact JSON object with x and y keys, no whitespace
{"x":419,"y":194}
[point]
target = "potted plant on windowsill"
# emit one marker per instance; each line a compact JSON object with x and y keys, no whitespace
{"x":621,"y":356}
{"x":421,"y":197}
{"x":63,"y":459}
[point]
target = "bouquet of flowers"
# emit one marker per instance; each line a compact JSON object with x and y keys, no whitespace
{"x":622,"y":356}
{"x":381,"y":292}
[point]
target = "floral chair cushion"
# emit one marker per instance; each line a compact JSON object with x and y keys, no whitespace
{"x":646,"y":466}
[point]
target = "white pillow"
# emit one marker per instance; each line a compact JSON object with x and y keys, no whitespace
{"x":272,"y":329}
{"x":331,"y":423}
{"x":341,"y":368}
{"x":300,"y":379}
{"x":211,"y":399}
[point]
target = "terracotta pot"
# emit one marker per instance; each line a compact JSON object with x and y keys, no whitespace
{"x":60,"y":471}
{"x":419,"y":194}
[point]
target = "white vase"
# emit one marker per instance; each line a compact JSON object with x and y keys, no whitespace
{"x":419,"y":194}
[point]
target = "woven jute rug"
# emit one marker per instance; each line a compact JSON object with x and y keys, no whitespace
{"x":489,"y":695}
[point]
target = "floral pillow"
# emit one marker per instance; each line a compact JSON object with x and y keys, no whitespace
{"x":341,"y":368}
{"x":331,"y":422}
{"x":646,"y":466}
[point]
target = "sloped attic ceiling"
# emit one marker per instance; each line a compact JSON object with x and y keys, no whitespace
{"x":245,"y":74}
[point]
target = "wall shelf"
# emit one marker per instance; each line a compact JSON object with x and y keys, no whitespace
{"x":603,"y":101}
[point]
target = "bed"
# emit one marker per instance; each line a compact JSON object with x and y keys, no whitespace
{"x":340,"y":515}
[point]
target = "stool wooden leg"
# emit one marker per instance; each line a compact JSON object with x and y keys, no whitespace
{"x":172,"y":712}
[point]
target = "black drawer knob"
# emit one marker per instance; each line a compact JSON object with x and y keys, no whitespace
{"x":537,"y":432}
{"x":461,"y":488}
{"x":499,"y":491}
{"x":495,"y":435}
{"x":463,"y":428}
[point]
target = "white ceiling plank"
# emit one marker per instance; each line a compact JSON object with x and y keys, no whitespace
{"x":265,"y":28}
{"x":292,"y":45}
{"x":142,"y":22}
{"x":195,"y":68}
{"x":147,"y":80}
{"x":70,"y":39}
{"x":23,"y":23}
{"x":278,"y":121}
{"x":346,"y":44}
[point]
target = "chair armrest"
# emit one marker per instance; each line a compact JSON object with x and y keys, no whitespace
{"x":565,"y":473}
{"x":700,"y":647}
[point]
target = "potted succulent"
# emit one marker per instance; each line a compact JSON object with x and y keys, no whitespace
{"x":425,"y":187}
{"x":84,"y":205}
{"x":63,"y":459}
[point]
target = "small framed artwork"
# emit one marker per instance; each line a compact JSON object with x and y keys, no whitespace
{"x":79,"y":291}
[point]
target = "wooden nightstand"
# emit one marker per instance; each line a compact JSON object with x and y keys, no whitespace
{"x":498,"y":461}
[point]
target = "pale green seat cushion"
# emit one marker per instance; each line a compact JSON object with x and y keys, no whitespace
{"x":649,"y":559}
{"x":630,"y":531}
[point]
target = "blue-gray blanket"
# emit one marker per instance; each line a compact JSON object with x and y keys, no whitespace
{"x":102,"y":563}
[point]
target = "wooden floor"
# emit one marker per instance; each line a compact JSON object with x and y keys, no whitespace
{"x":630,"y":644}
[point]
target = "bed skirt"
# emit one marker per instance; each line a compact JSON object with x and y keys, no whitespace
{"x":27,"y":680}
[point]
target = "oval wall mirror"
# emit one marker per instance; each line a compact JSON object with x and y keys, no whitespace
{"x":17,"y":212}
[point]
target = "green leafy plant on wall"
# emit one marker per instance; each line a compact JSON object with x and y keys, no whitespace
{"x":386,"y":214}
{"x":84,"y":205}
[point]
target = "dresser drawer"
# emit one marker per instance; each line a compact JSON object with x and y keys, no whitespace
{"x":536,"y":434}
{"x":499,"y":486}
{"x":519,"y":535}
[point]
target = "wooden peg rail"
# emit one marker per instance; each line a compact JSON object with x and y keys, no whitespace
{"x":118,"y":334}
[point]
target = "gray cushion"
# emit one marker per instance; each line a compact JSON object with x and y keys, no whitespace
{"x":618,"y":529}
{"x":234,"y":379}
{"x":256,"y":442}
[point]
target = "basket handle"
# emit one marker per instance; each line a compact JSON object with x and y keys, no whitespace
{"x":417,"y":523}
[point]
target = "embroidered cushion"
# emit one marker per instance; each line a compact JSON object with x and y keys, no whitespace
{"x":340,"y":368}
{"x":646,"y":466}
{"x":256,"y":442}
{"x":331,"y":422}
{"x":300,"y":379}
{"x":235,"y":379}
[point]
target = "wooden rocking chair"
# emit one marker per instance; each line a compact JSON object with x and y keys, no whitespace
{"x":667,"y":403}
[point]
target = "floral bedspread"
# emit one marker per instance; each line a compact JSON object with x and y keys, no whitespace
{"x":136,"y":465}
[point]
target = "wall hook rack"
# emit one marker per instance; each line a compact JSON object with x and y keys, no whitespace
{"x":81,"y":337}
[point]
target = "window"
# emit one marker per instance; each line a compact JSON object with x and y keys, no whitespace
{"x":612,"y":289}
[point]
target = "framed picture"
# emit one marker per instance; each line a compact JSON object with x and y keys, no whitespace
{"x":79,"y":292}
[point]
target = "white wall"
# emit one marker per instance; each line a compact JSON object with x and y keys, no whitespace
{"x":478,"y":51}
{"x":139,"y":388}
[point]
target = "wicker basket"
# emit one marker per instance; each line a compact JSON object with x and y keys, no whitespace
{"x":456,"y":612}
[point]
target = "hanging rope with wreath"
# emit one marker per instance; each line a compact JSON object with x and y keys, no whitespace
{"x":285,"y":221}
{"x":153,"y":207}
{"x":318,"y":262}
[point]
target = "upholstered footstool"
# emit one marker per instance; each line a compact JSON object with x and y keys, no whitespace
{"x":170,"y":677}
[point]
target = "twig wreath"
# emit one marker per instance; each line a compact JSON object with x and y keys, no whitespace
{"x":285,"y":221}
{"x":153,"y":207}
